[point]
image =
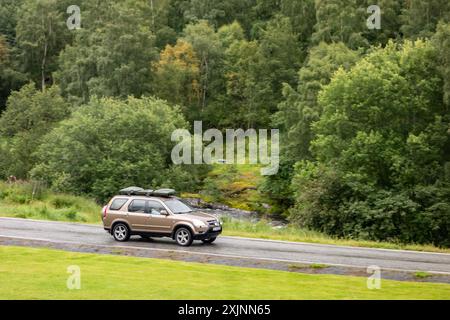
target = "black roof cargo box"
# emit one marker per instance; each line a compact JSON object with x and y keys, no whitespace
{"x":137,"y":191}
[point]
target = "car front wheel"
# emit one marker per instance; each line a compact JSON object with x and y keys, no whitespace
{"x":121,"y":232}
{"x":183,"y":237}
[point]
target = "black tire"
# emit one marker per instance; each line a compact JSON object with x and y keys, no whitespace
{"x":210,"y":240}
{"x":183,"y":237}
{"x":121,"y":232}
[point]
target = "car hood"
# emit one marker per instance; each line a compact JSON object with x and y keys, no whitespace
{"x":199,"y":215}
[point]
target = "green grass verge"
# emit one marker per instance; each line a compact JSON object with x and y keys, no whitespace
{"x":19,"y":201}
{"x":29,"y":273}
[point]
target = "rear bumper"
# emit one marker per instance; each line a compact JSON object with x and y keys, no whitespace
{"x":207,"y":235}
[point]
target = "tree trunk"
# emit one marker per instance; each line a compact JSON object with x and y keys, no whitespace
{"x":43,"y":65}
{"x":153,"y":15}
{"x":205,"y":84}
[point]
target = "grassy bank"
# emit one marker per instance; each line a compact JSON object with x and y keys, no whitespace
{"x":30,"y":201}
{"x":234,"y":186}
{"x":27,"y":273}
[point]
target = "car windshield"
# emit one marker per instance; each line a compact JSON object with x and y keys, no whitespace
{"x":177,"y":206}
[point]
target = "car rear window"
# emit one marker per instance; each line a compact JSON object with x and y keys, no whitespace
{"x":117,"y":204}
{"x":137,"y":206}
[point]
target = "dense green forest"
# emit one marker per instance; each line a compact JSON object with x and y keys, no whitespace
{"x":363,"y":113}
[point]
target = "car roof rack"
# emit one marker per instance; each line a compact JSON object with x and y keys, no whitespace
{"x":130,"y":191}
{"x":137,"y":191}
{"x":164,"y":192}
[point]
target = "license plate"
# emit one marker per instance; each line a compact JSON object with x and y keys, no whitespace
{"x":217,"y":228}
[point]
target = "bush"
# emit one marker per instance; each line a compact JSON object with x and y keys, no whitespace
{"x":30,"y":114}
{"x":328,"y":203}
{"x":22,"y":192}
{"x":63,"y":201}
{"x":110,"y":144}
{"x":381,"y":151}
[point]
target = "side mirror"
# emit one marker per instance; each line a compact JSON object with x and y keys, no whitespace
{"x":164,"y":212}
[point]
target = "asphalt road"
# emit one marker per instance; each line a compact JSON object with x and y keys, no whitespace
{"x":243,"y":248}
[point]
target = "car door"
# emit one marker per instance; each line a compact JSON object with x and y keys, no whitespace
{"x":137,"y":216}
{"x":158,"y":223}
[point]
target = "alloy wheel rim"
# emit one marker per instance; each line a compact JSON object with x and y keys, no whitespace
{"x":183,"y":236}
{"x":120,"y":232}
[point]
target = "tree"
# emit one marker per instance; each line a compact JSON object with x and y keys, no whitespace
{"x":208,"y":48}
{"x":112,"y":53}
{"x":280,"y":49}
{"x":441,"y":41}
{"x":177,"y":76}
{"x":390,"y":22}
{"x":4,"y":52}
{"x":419,"y":18}
{"x":302,"y":14}
{"x":41,"y":34}
{"x":348,"y":111}
{"x":381,"y":147}
{"x":300,"y":109}
{"x":242,"y":71}
{"x":29,"y":115}
{"x":8,"y":18}
{"x":218,"y":13}
{"x":111,"y":143}
{"x":256,"y":71}
{"x":10,"y":78}
{"x":340,"y":21}
{"x":230,"y":33}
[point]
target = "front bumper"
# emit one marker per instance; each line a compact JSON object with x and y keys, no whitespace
{"x":208,"y":234}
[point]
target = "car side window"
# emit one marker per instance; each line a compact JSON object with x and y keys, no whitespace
{"x":117,"y":204}
{"x":154,"y":207}
{"x":137,"y":206}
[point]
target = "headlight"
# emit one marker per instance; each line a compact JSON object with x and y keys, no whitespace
{"x":199,"y":223}
{"x":220,"y":222}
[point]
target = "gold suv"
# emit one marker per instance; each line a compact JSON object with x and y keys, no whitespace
{"x":159,"y":213}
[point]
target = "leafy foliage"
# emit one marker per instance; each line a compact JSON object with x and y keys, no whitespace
{"x":112,"y":53}
{"x":381,"y":146}
{"x":30,"y":114}
{"x":108,"y":144}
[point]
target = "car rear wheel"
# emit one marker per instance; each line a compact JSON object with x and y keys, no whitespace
{"x":210,"y":240}
{"x":121,"y":232}
{"x":183,"y":237}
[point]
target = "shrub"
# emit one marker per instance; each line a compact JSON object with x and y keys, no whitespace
{"x":110,"y":144}
{"x":328,"y":203}
{"x":381,"y":152}
{"x":62,"y":201}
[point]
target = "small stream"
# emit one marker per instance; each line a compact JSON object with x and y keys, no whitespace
{"x":222,"y":210}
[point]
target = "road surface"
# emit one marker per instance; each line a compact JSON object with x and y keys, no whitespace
{"x":243,"y":248}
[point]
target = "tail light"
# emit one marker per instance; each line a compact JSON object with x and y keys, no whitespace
{"x":104,"y":211}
